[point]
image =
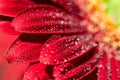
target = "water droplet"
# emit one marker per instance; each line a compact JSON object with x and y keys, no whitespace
{"x":100,"y":65}
{"x":46,"y":55}
{"x":89,"y":67}
{"x":45,"y":62}
{"x":76,"y":43}
{"x":52,"y":52}
{"x":47,"y":45}
{"x":66,"y":70}
{"x":64,"y":59}
{"x":74,"y":79}
{"x":61,"y":69}
{"x":62,"y":22}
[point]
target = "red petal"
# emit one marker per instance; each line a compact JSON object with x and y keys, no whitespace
{"x":26,"y":48}
{"x":5,"y":27}
{"x":102,"y":71}
{"x":46,"y":19}
{"x":36,"y":72}
{"x":69,"y":5}
{"x":68,"y":71}
{"x":21,"y":52}
{"x":56,"y":50}
{"x":13,"y":7}
{"x":116,"y":68}
{"x":76,"y":8}
{"x":109,"y":68}
{"x":91,"y":76}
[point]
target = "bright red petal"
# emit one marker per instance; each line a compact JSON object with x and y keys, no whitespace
{"x":5,"y":27}
{"x":13,"y":7}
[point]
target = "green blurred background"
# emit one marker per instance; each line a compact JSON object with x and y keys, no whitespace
{"x":113,"y":9}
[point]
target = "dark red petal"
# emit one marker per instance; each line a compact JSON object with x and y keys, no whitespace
{"x":34,"y":38}
{"x":91,"y":76}
{"x":13,"y":7}
{"x":5,"y":18}
{"x":46,"y":19}
{"x":65,"y":67}
{"x":57,"y":49}
{"x":69,"y":5}
{"x":36,"y":72}
{"x":80,"y":71}
{"x":76,"y":8}
{"x":5,"y":27}
{"x":42,"y":1}
{"x":81,"y":50}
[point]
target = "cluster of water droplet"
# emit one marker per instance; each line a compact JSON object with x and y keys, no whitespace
{"x":71,"y":55}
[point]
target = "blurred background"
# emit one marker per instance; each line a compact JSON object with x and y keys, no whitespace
{"x":14,"y":72}
{"x":113,"y":9}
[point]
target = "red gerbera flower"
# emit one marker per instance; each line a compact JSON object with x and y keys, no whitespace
{"x":56,"y":40}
